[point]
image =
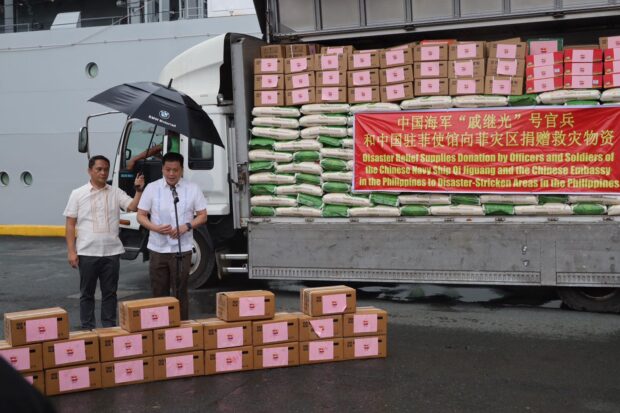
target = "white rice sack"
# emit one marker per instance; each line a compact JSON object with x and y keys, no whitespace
{"x":267,"y":155}
{"x":545,"y":209}
{"x":276,"y":111}
{"x":298,"y":145}
{"x":350,"y":120}
{"x":319,"y":108}
{"x":302,"y":211}
{"x":271,"y":178}
{"x":595,"y":199}
{"x":443,"y":210}
{"x":611,"y":95}
{"x":313,"y":132}
{"x":270,"y":200}
{"x":323,"y":120}
{"x":299,"y":189}
{"x":346,"y":177}
{"x":509,"y":199}
{"x":346,"y":199}
{"x":427,"y":102}
{"x":279,"y":134}
{"x":613,"y":210}
{"x":300,"y":167}
{"x":564,"y":95}
{"x":424,"y":199}
{"x":337,"y":153}
{"x":276,"y":122}
{"x":374,"y":107}
{"x":350,"y":165}
{"x":377,"y":211}
{"x":479,"y":101}
{"x":348,"y":143}
{"x":349,"y":131}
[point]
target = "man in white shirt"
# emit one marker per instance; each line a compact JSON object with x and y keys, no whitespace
{"x":158,"y":201}
{"x":94,"y":210}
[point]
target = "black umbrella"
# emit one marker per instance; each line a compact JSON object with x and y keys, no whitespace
{"x":162,"y":106}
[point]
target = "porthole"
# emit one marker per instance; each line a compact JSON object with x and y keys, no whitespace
{"x":92,"y":70}
{"x":4,"y":178}
{"x":26,"y":178}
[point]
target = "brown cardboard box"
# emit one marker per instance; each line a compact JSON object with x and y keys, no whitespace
{"x":172,"y":366}
{"x":503,"y":85}
{"x":611,"y":80}
{"x":410,"y":45}
{"x":300,"y":64}
{"x":269,"y":98}
{"x":189,"y":336}
{"x":117,"y":344}
{"x":609,"y":42}
{"x":337,"y":49}
{"x":466,"y":68}
{"x":363,"y":60}
{"x":268,"y":66}
{"x":397,"y":92}
{"x":583,"y":69}
{"x":331,"y":62}
{"x":245,"y":305}
{"x":364,"y":347}
{"x":331,"y":94}
{"x":272,"y":51}
{"x":368,"y":77}
{"x":364,"y":94}
{"x":276,"y":355}
{"x":299,"y":80}
{"x":73,"y":379}
{"x":366,"y":321}
{"x":544,"y":45}
{"x":229,"y":360}
{"x":331,"y":78}
{"x":437,"y":68}
{"x":220,"y":334}
{"x":281,"y":328}
{"x":505,"y":67}
{"x":120,"y":373}
{"x":611,"y":54}
{"x":583,"y":55}
{"x":507,"y":49}
{"x":546,"y":59}
{"x":300,"y":49}
{"x":35,"y":326}
{"x":583,"y":82}
{"x":431,"y":87}
{"x":82,"y":347}
{"x":430,"y":52}
{"x":149,"y":313}
{"x":335,"y":299}
{"x":438,"y":41}
{"x":466,"y":51}
{"x":471,"y":86}
{"x":544,"y":85}
{"x":321,"y":351}
{"x":544,"y":72}
{"x":612,"y":66}
{"x":37,"y":379}
{"x":298,"y":97}
{"x":398,"y":57}
{"x":269,"y":82}
{"x":398,"y":74}
{"x":317,"y":328}
{"x":25,"y":358}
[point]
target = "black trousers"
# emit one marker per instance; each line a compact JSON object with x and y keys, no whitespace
{"x":163,"y":270}
{"x":104,"y":269}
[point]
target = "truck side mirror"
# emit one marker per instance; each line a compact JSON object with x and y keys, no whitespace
{"x":83,"y":140}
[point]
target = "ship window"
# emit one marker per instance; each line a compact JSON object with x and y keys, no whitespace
{"x":200,"y":154}
{"x":144,"y":142}
{"x":4,"y":178}
{"x":26,"y":178}
{"x":92,"y":70}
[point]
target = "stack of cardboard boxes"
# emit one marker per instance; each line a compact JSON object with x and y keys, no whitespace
{"x":363,"y":76}
{"x":583,"y":67}
{"x":466,"y":68}
{"x":505,"y":67}
{"x":396,"y":77}
{"x":431,"y":68}
{"x":331,"y":75}
{"x":544,"y":65}
{"x":611,"y":64}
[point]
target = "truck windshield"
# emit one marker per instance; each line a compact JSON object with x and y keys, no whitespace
{"x":144,"y":141}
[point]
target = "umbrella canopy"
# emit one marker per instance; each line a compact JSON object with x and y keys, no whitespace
{"x":162,"y":106}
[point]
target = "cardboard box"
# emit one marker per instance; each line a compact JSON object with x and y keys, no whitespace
{"x":120,"y":373}
{"x":398,"y":74}
{"x":281,"y":328}
{"x":118,"y":344}
{"x":363,"y":60}
{"x":269,"y":98}
{"x":35,"y":326}
{"x":609,"y":42}
{"x":272,"y":51}
{"x":149,"y":313}
{"x":611,"y":80}
{"x":331,"y":78}
{"x":396,"y":92}
{"x":299,"y":80}
{"x":245,"y":305}
{"x":544,"y":85}
{"x":331,"y":62}
{"x":583,"y":82}
{"x":321,"y":351}
{"x":220,"y":334}
{"x":505,"y":67}
{"x":301,"y":49}
{"x":336,"y":299}
{"x":611,"y":54}
{"x":368,"y":77}
{"x":298,"y":97}
{"x":430,"y":52}
{"x":268,"y":66}
{"x":544,"y":72}
{"x":438,"y":41}
{"x":393,"y":58}
{"x":189,"y":336}
{"x":229,"y":360}
{"x":269,"y":82}
{"x":276,"y":355}
{"x":317,"y":328}
{"x":431,"y":87}
{"x":25,"y":358}
{"x":404,"y":46}
{"x":542,"y":46}
{"x":82,"y":347}
{"x":365,"y":347}
{"x":466,"y":68}
{"x":503,"y":85}
{"x":337,"y":50}
{"x":612,"y":67}
{"x":37,"y":379}
{"x":583,"y":69}
{"x":546,"y":59}
{"x":300,"y":64}
{"x":73,"y":379}
{"x":583,"y":55}
{"x":172,"y":366}
{"x":365,"y":321}
{"x":364,"y":94}
{"x":506,"y":49}
{"x":466,"y":50}
{"x":430,"y":69}
{"x":460,"y":87}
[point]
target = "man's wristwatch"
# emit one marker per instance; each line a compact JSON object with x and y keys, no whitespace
{"x":189,"y":226}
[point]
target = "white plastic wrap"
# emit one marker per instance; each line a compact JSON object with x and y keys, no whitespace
{"x":346,"y":199}
{"x":319,"y":108}
{"x":299,"y":189}
{"x":323,"y":120}
{"x":427,"y":102}
{"x":545,"y":209}
{"x":274,"y":122}
{"x":279,"y":134}
{"x":595,"y":199}
{"x":270,"y":200}
{"x":312,"y":168}
{"x":611,"y":95}
{"x":374,"y":107}
{"x":479,"y":101}
{"x":267,"y":155}
{"x":337,"y":153}
{"x":555,"y":97}
{"x":285,"y":112}
{"x":271,"y":178}
{"x":346,"y":177}
{"x":298,"y":145}
{"x":302,"y":211}
{"x":509,"y":199}
{"x":377,"y":211}
{"x":424,"y":199}
{"x":313,"y":132}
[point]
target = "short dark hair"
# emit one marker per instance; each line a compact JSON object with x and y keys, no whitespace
{"x":173,"y":157}
{"x":93,"y":159}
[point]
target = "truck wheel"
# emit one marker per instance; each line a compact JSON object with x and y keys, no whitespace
{"x":595,"y":299}
{"x":203,"y":260}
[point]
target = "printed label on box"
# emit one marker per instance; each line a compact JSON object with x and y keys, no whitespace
{"x":582,"y":68}
{"x":613,"y":42}
{"x":228,"y":361}
{"x":126,"y":346}
{"x":299,"y":64}
{"x":320,"y":350}
{"x":269,"y":65}
{"x":361,"y":78}
{"x":301,"y":80}
{"x":73,"y":379}
{"x":396,"y":74}
{"x":428,"y":69}
{"x":180,"y":365}
{"x":616,"y":79}
{"x":507,"y":51}
{"x":361,"y":60}
{"x":230,"y":337}
{"x":274,"y":332}
{"x":582,"y":81}
{"x":394,"y":92}
{"x":500,"y":86}
{"x":543,"y":85}
{"x":364,"y":323}
{"x":395,"y":57}
{"x":367,"y":346}
{"x":335,"y":50}
{"x":582,"y":56}
{"x":331,"y":77}
{"x":18,"y":358}
{"x":363,"y":94}
{"x":323,"y":328}
{"x":543,"y":59}
{"x":269,"y":80}
{"x":154,"y":317}
{"x":464,"y":68}
{"x":70,"y":352}
{"x":334,"y":303}
{"x":543,"y":46}
{"x":429,"y":85}
{"x":275,"y":356}
{"x":179,"y":338}
{"x":465,"y":86}
{"x":466,"y":51}
{"x":329,"y":62}
{"x":300,"y":96}
{"x":268,"y":97}
{"x":507,"y":67}
{"x":251,"y":306}
{"x":430,"y":53}
{"x":41,"y":329}
{"x":126,"y":371}
{"x":543,"y":72}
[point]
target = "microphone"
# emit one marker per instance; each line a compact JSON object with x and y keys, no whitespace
{"x":175,"y":196}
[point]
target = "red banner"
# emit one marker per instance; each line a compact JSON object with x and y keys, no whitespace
{"x":509,"y":150}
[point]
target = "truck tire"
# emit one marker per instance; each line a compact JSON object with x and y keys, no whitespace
{"x":594,"y":299}
{"x":203,"y":260}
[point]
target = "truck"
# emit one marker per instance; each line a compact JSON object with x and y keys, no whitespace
{"x":578,"y":255}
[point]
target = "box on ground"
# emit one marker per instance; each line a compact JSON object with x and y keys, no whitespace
{"x":229,"y":360}
{"x":73,"y":379}
{"x":366,"y":321}
{"x":171,"y":366}
{"x":282,"y":328}
{"x":473,"y":86}
{"x":396,"y":92}
{"x":117,"y":344}
{"x":364,"y":347}
{"x":24,"y":358}
{"x":268,"y":66}
{"x":336,"y":299}
{"x":80,"y":348}
{"x":123,"y":372}
{"x":321,"y":351}
{"x":298,"y":97}
{"x":331,"y":78}
{"x":276,"y":355}
{"x":431,"y":87}
{"x":37,"y":379}
{"x":430,"y":69}
{"x":268,"y":98}
{"x":466,"y":50}
{"x":245,"y":305}
{"x":299,"y":80}
{"x":33,"y":326}
{"x":220,"y":334}
{"x":503,"y":85}
{"x":368,"y":77}
{"x":398,"y":74}
{"x":317,"y":328}
{"x":269,"y":82}
{"x":189,"y":336}
{"x":149,"y":313}
{"x":505,"y":67}
{"x":331,"y":94}
{"x":544,"y":85}
{"x":430,"y":52}
{"x":505,"y":49}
